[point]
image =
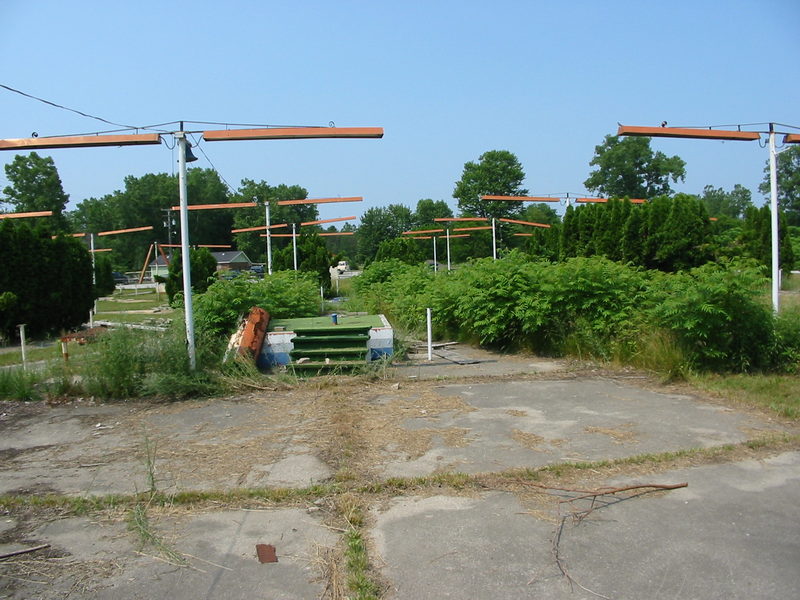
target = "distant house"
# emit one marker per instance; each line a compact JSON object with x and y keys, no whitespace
{"x":233,"y":260}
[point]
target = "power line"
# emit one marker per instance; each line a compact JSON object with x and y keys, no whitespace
{"x":83,"y":114}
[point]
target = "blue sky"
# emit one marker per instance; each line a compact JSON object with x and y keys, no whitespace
{"x":447,"y":80}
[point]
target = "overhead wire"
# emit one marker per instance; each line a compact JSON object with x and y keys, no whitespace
{"x":197,"y":145}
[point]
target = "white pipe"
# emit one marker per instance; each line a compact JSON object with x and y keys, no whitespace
{"x":448,"y":248}
{"x":185,"y":258}
{"x":494,"y":241}
{"x":430,"y":337}
{"x":92,"y":310}
{"x":22,"y":346}
{"x":435,"y":268}
{"x":294,"y":246}
{"x":269,"y":240}
{"x":773,"y":195}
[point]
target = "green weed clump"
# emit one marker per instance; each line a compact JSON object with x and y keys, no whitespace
{"x":132,"y":363}
{"x":18,"y":384}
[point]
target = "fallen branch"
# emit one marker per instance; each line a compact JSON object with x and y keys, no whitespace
{"x":580,"y":515}
{"x":25,"y":551}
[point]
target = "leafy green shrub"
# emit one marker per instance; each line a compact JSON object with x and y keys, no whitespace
{"x":282,"y":294}
{"x":787,"y":340}
{"x":717,"y":315}
{"x":377,"y":272}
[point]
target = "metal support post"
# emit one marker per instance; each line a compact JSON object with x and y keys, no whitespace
{"x":294,"y":246}
{"x":773,"y":203}
{"x":494,"y":241}
{"x":435,"y":267}
{"x":185,"y":258}
{"x":269,"y":239}
{"x":448,"y":248}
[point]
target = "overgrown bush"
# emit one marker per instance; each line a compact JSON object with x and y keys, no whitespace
{"x":718,"y":315}
{"x":710,"y":318}
{"x":283,"y":294}
{"x":129,"y":363}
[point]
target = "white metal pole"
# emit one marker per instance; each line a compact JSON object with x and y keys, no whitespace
{"x":294,"y":246}
{"x":93,"y":310}
{"x":773,"y":196}
{"x":22,"y":347}
{"x":448,"y":248}
{"x":435,"y":267}
{"x":185,"y":258}
{"x":430,"y":336}
{"x":494,"y":241}
{"x":269,"y":240}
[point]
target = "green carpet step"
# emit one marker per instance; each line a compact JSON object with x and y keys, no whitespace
{"x":356,"y":337}
{"x":315,"y":366}
{"x":330,"y":352}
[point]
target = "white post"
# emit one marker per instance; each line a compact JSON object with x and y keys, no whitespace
{"x":269,"y":239}
{"x":22,"y":346}
{"x":494,"y":241}
{"x":773,"y":196}
{"x":430,"y":337}
{"x":93,"y":310}
{"x":321,"y":300}
{"x":435,"y":268}
{"x":294,"y":246}
{"x":448,"y":248}
{"x":185,"y":258}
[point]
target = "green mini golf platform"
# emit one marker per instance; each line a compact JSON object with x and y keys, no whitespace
{"x":314,"y":344}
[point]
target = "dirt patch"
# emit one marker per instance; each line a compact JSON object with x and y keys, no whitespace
{"x":527,"y":439}
{"x":620,"y":436}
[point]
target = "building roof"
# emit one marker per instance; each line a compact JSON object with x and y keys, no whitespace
{"x":222,"y":258}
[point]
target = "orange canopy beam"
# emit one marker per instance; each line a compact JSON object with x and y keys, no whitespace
{"x":454,"y":219}
{"x":211,"y":206}
{"x":423,"y":231}
{"x":197,"y":245}
{"x":323,"y":221}
{"x":687,"y":132}
{"x":522,"y":198}
{"x":292,"y":133}
{"x":102,"y":250}
{"x":461,"y":235}
{"x":472,"y":228}
{"x":791,"y":138}
{"x":422,"y":237}
{"x":278,"y":235}
{"x":523,"y":234}
{"x":318,"y":201}
{"x":131,"y":230}
{"x":259,"y":228}
{"x":591,"y":200}
{"x":75,"y":141}
{"x":38,"y":213}
{"x":531,"y":223}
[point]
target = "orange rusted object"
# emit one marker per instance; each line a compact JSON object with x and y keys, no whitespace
{"x":687,"y":132}
{"x":423,"y":231}
{"x":131,"y":230}
{"x":213,"y":206}
{"x":319,"y":201}
{"x":253,"y":333}
{"x":74,"y":141}
{"x":38,"y":213}
{"x":323,"y":221}
{"x":292,"y":133}
{"x":522,"y":198}
{"x":791,"y":138}
{"x":472,"y":228}
{"x":259,"y":228}
{"x":531,"y":223}
{"x":457,"y":219}
{"x":85,"y":336}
